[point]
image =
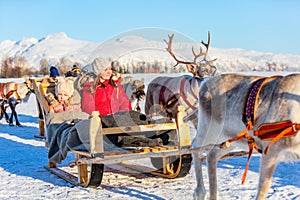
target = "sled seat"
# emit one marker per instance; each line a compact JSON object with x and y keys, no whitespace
{"x":41,"y":89}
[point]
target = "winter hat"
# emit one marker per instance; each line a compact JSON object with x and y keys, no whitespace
{"x":100,"y":64}
{"x":53,"y":71}
{"x":87,"y":68}
{"x":75,"y":68}
{"x":65,"y":85}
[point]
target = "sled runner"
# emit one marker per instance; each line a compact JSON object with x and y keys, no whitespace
{"x":89,"y":138}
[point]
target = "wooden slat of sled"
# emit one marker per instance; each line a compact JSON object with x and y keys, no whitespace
{"x":139,"y":128}
{"x":126,"y":151}
{"x":64,"y":175}
{"x":41,"y":89}
{"x":45,"y":88}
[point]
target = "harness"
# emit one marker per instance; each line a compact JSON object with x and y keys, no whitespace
{"x":271,"y":131}
{"x":9,"y":93}
{"x":171,"y":101}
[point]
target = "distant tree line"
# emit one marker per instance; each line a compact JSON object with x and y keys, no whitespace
{"x":17,"y":66}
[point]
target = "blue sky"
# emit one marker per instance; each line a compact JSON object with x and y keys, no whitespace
{"x":260,"y":25}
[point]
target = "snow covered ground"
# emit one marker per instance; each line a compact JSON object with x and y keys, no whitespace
{"x":22,"y":173}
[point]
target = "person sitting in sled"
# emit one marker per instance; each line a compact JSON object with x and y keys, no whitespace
{"x":74,"y":72}
{"x":53,"y":74}
{"x":109,"y":94}
{"x":64,"y":92}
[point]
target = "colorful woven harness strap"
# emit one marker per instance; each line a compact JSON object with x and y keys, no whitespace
{"x":251,"y":99}
{"x":249,"y":118}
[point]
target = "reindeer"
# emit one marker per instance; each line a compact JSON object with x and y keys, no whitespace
{"x":12,"y":94}
{"x":229,"y":115}
{"x":135,"y":90}
{"x":165,"y":94}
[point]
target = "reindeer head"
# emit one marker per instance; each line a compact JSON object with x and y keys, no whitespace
{"x":28,"y":83}
{"x":139,"y":89}
{"x":200,"y":69}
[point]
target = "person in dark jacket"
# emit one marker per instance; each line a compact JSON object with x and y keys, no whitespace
{"x":74,"y":72}
{"x":54,"y":72}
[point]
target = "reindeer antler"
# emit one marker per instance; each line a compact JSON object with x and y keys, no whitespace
{"x":201,"y":52}
{"x":196,"y":56}
{"x":169,"y":49}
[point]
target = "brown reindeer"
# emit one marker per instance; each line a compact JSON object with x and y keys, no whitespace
{"x":248,"y":112}
{"x":165,"y":94}
{"x":12,"y":94}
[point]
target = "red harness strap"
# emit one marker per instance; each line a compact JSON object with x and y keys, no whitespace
{"x":9,"y":93}
{"x":276,"y":131}
{"x":184,"y":97}
{"x":161,"y":99}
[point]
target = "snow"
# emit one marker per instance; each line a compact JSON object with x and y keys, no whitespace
{"x":23,"y":175}
{"x":58,"y":45}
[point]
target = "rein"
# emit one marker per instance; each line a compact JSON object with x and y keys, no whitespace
{"x":273,"y":131}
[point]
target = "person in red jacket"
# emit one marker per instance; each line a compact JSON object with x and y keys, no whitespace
{"x":109,"y":95}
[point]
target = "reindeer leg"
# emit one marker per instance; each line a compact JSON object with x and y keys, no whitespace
{"x":3,"y":112}
{"x":268,"y":164}
{"x":199,"y":193}
{"x":16,"y":117}
{"x":10,"y":120}
{"x":12,"y":104}
{"x":14,"y":114}
{"x":212,"y":159}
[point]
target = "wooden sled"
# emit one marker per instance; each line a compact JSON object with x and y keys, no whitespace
{"x":170,"y":161}
{"x":41,"y":89}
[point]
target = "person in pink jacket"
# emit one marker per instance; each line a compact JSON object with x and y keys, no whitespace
{"x":109,"y":95}
{"x":64,"y":92}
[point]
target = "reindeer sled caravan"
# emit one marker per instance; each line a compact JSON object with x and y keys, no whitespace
{"x":230,"y":111}
{"x":92,"y":139}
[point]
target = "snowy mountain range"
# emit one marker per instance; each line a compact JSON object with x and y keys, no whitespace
{"x":130,"y":50}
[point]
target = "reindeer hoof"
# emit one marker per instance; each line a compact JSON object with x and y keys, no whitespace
{"x":19,"y":125}
{"x":11,"y":124}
